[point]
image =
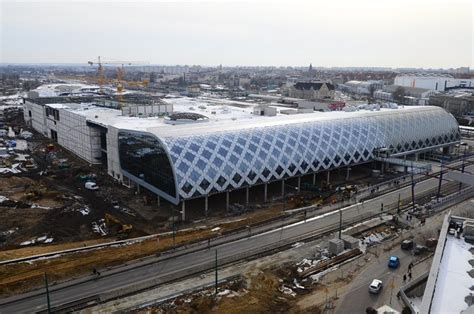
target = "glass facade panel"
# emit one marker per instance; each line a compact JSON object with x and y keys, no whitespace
{"x":144,"y":157}
{"x":230,"y":159}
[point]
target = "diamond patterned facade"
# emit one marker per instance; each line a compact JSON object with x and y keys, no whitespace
{"x":226,"y":160}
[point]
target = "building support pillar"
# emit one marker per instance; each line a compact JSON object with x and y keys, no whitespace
{"x":382,"y":168}
{"x":183,"y":210}
{"x":417,"y":155}
{"x":227,"y":200}
{"x":206,"y":205}
{"x":138,"y":188}
{"x":348,"y":171}
{"x":283,"y":187}
{"x":247,"y":197}
{"x":299,"y":184}
{"x":328,"y":177}
{"x":314,"y":178}
{"x":265,"y":190}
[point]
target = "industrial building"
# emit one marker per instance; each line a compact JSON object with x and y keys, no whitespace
{"x":182,"y":149}
{"x":433,"y":81}
{"x":413,"y":96}
{"x":361,"y":87}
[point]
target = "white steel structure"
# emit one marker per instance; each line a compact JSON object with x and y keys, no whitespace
{"x":187,"y":161}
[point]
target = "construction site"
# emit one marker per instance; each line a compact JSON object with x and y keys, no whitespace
{"x":76,"y":205}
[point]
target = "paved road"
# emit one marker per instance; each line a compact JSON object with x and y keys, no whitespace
{"x":357,"y":298}
{"x":180,"y":266}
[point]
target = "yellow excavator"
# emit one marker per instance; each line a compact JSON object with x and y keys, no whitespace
{"x":113,"y":223}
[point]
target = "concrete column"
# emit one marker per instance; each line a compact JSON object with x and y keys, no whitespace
{"x":328,"y":176}
{"x":206,"y":205}
{"x":417,"y":155}
{"x":299,"y":184}
{"x":348,"y":171}
{"x":283,"y":187}
{"x":265,"y":189}
{"x":158,"y":200}
{"x":382,"y":168}
{"x":227,"y":200}
{"x":183,"y":210}
{"x":247,"y":197}
{"x":314,"y":178}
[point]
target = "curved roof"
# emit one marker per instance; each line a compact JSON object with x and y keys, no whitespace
{"x":235,"y":157}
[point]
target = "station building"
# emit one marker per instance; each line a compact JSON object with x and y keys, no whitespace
{"x":200,"y":149}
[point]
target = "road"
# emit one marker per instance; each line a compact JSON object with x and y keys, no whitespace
{"x":357,"y":298}
{"x":183,"y":265}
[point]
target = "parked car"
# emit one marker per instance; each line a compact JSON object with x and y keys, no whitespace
{"x":393,"y":262}
{"x":407,"y":244}
{"x":375,"y":286}
{"x":91,"y":186}
{"x":419,"y":249}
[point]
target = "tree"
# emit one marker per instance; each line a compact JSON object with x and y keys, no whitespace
{"x":398,"y":94}
{"x":152,"y":77}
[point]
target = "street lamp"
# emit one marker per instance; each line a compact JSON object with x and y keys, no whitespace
{"x":463,"y":161}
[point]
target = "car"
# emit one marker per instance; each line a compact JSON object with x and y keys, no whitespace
{"x":393,"y":262}
{"x":375,"y":286}
{"x":407,"y":244}
{"x":91,"y":186}
{"x":419,"y":249}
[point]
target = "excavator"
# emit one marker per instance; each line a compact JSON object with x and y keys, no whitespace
{"x":114,"y":224}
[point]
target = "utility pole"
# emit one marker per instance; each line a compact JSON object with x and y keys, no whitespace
{"x":174,"y":230}
{"x":340,"y":223}
{"x":440,"y":180}
{"x":47,"y":293}
{"x":463,"y":164}
{"x":412,"y":188}
{"x":216,"y":272}
{"x":398,"y":204}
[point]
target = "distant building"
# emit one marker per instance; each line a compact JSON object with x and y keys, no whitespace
{"x":361,"y":87}
{"x":434,"y":81}
{"x":413,"y":95}
{"x":459,"y":104}
{"x":312,"y":90}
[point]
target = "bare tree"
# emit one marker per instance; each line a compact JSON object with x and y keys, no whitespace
{"x":398,"y":94}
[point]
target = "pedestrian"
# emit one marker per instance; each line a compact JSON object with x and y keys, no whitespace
{"x":404,"y":278}
{"x":409,"y":275}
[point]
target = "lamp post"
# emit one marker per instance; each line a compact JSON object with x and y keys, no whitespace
{"x":463,"y":162}
{"x":47,"y":293}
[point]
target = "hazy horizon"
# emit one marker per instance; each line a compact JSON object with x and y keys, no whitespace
{"x":417,"y":34}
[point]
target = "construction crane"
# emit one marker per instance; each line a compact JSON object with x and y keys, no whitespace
{"x":119,"y":82}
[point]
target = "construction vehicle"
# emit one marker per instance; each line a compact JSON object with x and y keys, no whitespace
{"x":116,"y":226}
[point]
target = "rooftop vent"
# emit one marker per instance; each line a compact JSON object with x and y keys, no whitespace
{"x":185,"y":117}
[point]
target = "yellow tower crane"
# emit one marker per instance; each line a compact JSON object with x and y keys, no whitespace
{"x":119,"y":82}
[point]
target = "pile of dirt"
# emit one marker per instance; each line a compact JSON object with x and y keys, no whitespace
{"x":255,"y":293}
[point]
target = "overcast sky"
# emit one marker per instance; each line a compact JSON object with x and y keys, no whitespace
{"x":390,"y":33}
